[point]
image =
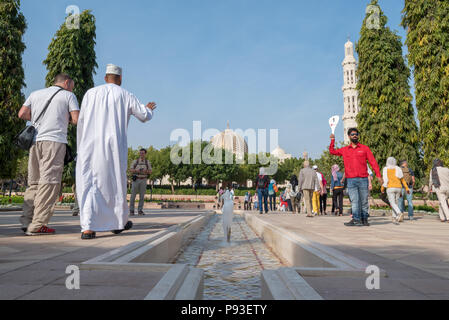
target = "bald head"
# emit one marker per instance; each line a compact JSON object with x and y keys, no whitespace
{"x":113,"y":78}
{"x":306,"y":164}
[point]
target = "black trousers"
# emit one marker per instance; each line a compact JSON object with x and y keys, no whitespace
{"x":323,"y":203}
{"x":272,"y":199}
{"x":337,"y":200}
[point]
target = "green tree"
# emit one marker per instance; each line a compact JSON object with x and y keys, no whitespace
{"x":72,"y":51}
{"x":12,"y":29}
{"x":427,"y":23}
{"x":386,"y":119}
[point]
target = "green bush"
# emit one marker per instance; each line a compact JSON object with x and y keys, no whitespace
{"x":4,"y":200}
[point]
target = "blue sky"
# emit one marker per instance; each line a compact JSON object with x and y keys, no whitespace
{"x":261,"y":64}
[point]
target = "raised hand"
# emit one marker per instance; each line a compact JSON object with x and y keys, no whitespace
{"x":151,"y":106}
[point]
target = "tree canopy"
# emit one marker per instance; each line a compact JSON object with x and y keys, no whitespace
{"x":386,"y":119}
{"x":427,"y":23}
{"x":12,"y":77}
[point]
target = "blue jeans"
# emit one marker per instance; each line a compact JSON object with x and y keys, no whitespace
{"x":409,"y":198}
{"x":358,"y":194}
{"x":263,"y":196}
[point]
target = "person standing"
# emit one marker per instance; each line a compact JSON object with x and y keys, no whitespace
{"x":308,"y":182}
{"x":439,"y":183}
{"x":262,"y":184}
{"x":288,"y":194}
{"x":355,"y":157}
{"x":140,"y":169}
{"x":272,"y":191}
{"x":248,"y":201}
{"x":409,"y":177}
{"x":337,"y":187}
{"x":46,"y":156}
{"x":393,"y":183}
{"x":103,"y":155}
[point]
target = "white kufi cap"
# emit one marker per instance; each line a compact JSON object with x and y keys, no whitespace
{"x":113,"y":69}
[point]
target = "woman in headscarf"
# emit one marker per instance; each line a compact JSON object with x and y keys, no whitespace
{"x":439,"y":182}
{"x":272,"y":190}
{"x":337,"y":187}
{"x":394,"y":182}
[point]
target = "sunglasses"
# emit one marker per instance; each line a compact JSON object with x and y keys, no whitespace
{"x":354,"y":135}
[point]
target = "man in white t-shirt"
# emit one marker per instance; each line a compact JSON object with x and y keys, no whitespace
{"x":46,"y":157}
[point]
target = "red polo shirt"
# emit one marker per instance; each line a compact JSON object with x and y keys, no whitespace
{"x":355,"y":160}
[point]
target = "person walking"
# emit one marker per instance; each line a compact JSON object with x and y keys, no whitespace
{"x":308,"y":182}
{"x":439,"y":183}
{"x":50,"y":110}
{"x":272,"y":193}
{"x":262,"y":184}
{"x":337,"y":187}
{"x":323,"y":196}
{"x":355,"y":157}
{"x":409,"y":177}
{"x":318,"y":193}
{"x":101,"y":171}
{"x":140,"y":169}
{"x":394,"y":182}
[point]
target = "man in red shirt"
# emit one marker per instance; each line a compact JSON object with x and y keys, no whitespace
{"x":355,"y":157}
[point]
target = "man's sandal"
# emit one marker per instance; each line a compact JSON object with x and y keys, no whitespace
{"x":88,"y":236}
{"x":128,"y":226}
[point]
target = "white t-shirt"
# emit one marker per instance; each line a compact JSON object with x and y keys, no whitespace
{"x":53,"y":124}
{"x":320,"y":179}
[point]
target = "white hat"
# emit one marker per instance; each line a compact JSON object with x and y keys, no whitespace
{"x":315,"y":167}
{"x":113,"y":69}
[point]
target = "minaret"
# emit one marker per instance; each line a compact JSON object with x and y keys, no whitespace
{"x":350,"y":94}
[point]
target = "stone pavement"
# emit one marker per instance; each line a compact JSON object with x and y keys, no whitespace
{"x":232,"y":270}
{"x":34,"y":267}
{"x":415,"y":255}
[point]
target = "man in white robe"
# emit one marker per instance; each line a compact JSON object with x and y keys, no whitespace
{"x":102,"y":162}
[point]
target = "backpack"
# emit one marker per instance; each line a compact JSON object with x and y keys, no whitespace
{"x":261,"y":182}
{"x":407,"y":176}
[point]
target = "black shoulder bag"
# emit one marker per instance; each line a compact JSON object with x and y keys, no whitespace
{"x":24,"y":140}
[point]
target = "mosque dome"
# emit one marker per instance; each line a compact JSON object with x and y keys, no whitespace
{"x":281,"y":154}
{"x":231,"y":141}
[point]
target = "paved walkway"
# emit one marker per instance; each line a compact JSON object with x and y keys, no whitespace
{"x":415,"y":254}
{"x":232,"y":270}
{"x":34,"y":267}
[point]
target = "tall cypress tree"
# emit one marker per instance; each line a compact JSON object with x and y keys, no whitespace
{"x":386,"y":118}
{"x":427,"y":23}
{"x":72,"y":51}
{"x":12,"y":28}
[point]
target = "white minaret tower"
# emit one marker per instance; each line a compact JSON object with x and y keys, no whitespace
{"x":350,"y":94}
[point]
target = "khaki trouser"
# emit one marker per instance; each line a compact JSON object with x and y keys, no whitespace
{"x":139,"y":186}
{"x":45,"y":167}
{"x":316,"y":202}
{"x":308,"y":197}
{"x":443,"y":196}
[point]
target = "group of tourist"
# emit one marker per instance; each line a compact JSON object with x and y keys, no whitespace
{"x":102,"y":147}
{"x":397,"y":186}
{"x":102,"y":165}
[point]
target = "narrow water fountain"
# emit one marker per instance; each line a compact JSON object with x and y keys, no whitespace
{"x":232,"y":270}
